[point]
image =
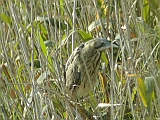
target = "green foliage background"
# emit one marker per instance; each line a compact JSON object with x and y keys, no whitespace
{"x":37,"y":37}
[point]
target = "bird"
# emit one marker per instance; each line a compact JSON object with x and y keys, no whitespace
{"x":82,"y":66}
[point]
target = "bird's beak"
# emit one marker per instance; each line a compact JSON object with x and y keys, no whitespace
{"x":114,"y":44}
{"x":108,"y":44}
{"x":105,"y":45}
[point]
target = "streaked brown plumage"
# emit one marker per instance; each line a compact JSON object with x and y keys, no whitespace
{"x":82,"y":66}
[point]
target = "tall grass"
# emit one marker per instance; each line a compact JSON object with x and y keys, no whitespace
{"x":37,"y":37}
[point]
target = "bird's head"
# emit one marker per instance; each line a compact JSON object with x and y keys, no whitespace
{"x":99,"y":44}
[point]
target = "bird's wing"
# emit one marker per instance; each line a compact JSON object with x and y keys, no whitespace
{"x":73,"y":68}
{"x":75,"y":53}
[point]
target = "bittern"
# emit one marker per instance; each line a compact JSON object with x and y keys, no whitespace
{"x":83,"y":65}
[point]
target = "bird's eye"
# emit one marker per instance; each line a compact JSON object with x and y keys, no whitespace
{"x":102,"y":43}
{"x":98,"y":44}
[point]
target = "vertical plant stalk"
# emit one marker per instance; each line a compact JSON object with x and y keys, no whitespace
{"x":74,"y":25}
{"x":34,"y":96}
